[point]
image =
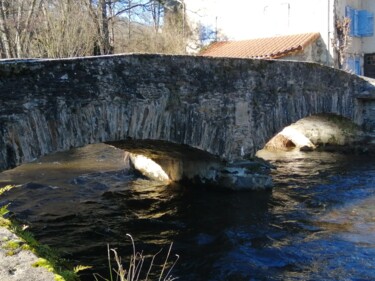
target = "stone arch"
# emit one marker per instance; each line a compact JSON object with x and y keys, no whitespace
{"x":178,"y":161}
{"x":227,"y":107}
{"x":317,"y":131}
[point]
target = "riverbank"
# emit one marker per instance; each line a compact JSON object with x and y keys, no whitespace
{"x":23,"y":258}
{"x":19,"y":263}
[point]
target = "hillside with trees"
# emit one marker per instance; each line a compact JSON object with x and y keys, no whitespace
{"x":71,"y":28}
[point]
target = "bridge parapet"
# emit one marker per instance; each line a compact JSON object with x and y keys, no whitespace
{"x":227,"y":107}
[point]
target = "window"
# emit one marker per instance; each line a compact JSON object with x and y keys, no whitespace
{"x":353,"y":65}
{"x":361,"y":22}
{"x":369,"y":65}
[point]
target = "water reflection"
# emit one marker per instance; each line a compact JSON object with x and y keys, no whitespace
{"x":316,"y":224}
{"x":58,"y":168}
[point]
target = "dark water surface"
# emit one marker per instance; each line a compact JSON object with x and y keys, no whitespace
{"x":318,"y":223}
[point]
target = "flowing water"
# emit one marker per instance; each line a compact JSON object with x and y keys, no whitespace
{"x":318,"y":223}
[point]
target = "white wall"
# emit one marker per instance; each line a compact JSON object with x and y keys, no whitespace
{"x":358,"y":46}
{"x":355,"y":44}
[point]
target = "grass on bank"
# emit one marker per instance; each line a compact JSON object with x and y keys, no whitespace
{"x":48,"y":258}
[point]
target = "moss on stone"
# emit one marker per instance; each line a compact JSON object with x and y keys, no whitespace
{"x":49,"y":258}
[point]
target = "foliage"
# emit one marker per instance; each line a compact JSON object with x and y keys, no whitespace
{"x":63,"y":275}
{"x":4,"y":210}
{"x":12,"y":245}
{"x":79,"y":268}
{"x":50,"y":259}
{"x":6,"y":188}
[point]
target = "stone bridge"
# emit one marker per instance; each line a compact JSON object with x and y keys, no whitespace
{"x":222,"y":108}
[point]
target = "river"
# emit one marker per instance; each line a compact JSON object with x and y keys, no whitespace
{"x":318,"y":222}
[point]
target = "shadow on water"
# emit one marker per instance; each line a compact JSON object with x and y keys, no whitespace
{"x":316,"y":224}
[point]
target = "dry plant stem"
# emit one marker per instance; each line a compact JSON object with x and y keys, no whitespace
{"x":165,"y":262}
{"x":120,"y":272}
{"x":139,"y":265}
{"x":168,"y":277}
{"x":135,"y":266}
{"x":109,"y":262}
{"x":152,"y":263}
{"x":132,"y":268}
{"x":170,"y":270}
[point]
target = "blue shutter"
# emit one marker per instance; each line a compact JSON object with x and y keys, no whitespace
{"x":356,"y":26}
{"x":365,"y":23}
{"x":362,"y":22}
{"x":350,"y":64}
{"x":353,"y":65}
{"x":357,"y":65}
{"x":349,"y":13}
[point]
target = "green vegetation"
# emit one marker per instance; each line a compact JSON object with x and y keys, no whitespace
{"x":49,"y":258}
{"x":4,"y":211}
{"x":6,"y":188}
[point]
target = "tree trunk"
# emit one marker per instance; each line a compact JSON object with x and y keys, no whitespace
{"x":5,"y":35}
{"x":104,"y":28}
{"x":100,"y":18}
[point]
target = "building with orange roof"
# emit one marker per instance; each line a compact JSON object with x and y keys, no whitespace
{"x":286,"y":29}
{"x":303,"y":47}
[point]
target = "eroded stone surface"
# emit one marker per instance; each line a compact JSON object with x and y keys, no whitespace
{"x":176,"y":163}
{"x":319,"y":130}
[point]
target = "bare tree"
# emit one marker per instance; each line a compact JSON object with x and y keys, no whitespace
{"x":342,"y":40}
{"x":16,"y":23}
{"x":66,"y":31}
{"x":113,"y":17}
{"x":64,"y":28}
{"x":5,"y":32}
{"x":157,"y":10}
{"x":104,"y":14}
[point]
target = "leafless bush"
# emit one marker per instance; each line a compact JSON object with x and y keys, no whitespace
{"x":136,"y":270}
{"x":342,"y":41}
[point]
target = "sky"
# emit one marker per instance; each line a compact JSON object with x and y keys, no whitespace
{"x":247,"y":19}
{"x":228,"y":15}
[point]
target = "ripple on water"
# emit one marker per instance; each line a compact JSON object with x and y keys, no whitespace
{"x":318,"y":223}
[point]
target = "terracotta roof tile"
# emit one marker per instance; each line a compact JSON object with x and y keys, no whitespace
{"x":267,"y":48}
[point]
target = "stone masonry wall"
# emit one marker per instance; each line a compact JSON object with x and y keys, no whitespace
{"x":227,"y":107}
